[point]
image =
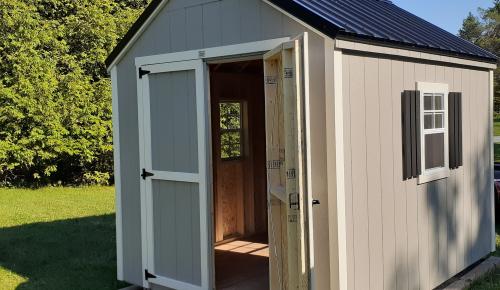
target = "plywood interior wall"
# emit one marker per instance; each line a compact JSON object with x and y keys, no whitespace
{"x":239,"y":184}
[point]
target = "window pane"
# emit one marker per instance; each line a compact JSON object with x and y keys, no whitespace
{"x":230,"y":129}
{"x":438,"y":102}
{"x":230,"y":122}
{"x":230,"y":137}
{"x":428,"y":121}
{"x":230,"y":151}
{"x":230,"y":115}
{"x":427,"y":102}
{"x":439,"y":120}
{"x":434,"y":150}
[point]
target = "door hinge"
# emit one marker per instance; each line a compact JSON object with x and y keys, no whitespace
{"x":148,"y":275}
{"x":143,"y":72}
{"x":145,"y":174}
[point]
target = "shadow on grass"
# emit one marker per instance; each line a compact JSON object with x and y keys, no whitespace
{"x":70,"y":254}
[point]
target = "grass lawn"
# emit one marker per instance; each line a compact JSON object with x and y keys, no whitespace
{"x":57,"y":238}
{"x":492,"y":280}
{"x":496,"y":126}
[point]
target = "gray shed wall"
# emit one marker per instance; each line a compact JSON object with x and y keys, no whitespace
{"x":401,"y":235}
{"x":194,"y":24}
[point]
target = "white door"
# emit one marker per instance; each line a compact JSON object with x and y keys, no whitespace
{"x":174,"y":193}
{"x":290,"y":204}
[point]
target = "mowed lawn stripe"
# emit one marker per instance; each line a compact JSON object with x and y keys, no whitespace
{"x":57,"y":238}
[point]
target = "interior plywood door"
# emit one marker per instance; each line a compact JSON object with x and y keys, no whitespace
{"x":289,"y":203}
{"x":174,"y":193}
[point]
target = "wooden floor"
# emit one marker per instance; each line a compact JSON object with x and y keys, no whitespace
{"x":242,"y":265}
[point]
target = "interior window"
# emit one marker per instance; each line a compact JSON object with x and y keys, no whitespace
{"x":230,"y":130}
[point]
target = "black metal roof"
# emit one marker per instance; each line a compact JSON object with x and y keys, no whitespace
{"x":366,"y":20}
{"x":382,"y":21}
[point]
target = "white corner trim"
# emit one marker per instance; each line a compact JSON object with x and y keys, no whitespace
{"x":117,"y":168}
{"x":340,"y":170}
{"x":492,"y":159}
{"x":213,"y":52}
{"x":137,"y":34}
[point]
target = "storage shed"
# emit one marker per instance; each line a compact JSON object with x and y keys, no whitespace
{"x":299,"y":144}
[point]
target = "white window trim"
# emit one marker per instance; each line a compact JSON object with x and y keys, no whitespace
{"x":435,"y":173}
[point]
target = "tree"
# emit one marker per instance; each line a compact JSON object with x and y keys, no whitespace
{"x":471,"y":29}
{"x":484,"y":31}
{"x":55,"y":96}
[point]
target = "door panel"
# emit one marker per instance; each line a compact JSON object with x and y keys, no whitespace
{"x":174,"y":142}
{"x":176,"y":210}
{"x":288,"y":199}
{"x":174,"y":193}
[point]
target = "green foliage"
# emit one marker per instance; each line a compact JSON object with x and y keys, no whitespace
{"x":484,"y":31}
{"x":471,"y":29}
{"x":55,"y":95}
{"x":230,"y":128}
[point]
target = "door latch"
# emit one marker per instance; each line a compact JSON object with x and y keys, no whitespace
{"x":146,"y":174}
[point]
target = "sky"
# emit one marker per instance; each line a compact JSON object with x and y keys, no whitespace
{"x":447,"y":14}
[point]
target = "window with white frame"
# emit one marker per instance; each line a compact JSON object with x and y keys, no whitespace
{"x":434,"y":131}
{"x":231,"y":130}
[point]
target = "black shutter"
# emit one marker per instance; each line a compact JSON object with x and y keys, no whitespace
{"x":455,"y":129}
{"x":410,"y":108}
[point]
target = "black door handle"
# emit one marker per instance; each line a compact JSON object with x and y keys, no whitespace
{"x":316,"y":202}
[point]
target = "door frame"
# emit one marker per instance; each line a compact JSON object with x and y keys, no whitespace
{"x":226,"y":53}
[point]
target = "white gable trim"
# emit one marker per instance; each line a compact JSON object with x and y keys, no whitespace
{"x":137,"y":35}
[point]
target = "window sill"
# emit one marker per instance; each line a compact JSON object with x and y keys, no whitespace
{"x":433,"y":175}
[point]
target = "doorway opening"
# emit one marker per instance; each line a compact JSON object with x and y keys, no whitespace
{"x":239,"y":173}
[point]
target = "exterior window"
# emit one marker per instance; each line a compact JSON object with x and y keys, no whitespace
{"x":230,"y":130}
{"x":434,"y":132}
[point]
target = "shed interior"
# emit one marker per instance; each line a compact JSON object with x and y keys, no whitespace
{"x":239,"y":175}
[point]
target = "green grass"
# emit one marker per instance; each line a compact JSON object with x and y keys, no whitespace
{"x":490,"y":281}
{"x":496,"y":132}
{"x":57,"y":238}
{"x":496,"y":127}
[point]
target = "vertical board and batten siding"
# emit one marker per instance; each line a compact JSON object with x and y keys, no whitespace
{"x":195,"y":24}
{"x":402,"y":235}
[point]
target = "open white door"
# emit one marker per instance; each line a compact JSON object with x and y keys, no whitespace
{"x":289,"y":202}
{"x":174,"y":193}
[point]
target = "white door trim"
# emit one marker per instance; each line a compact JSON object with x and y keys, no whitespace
{"x":185,"y":61}
{"x":144,"y":240}
{"x":213,"y":52}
